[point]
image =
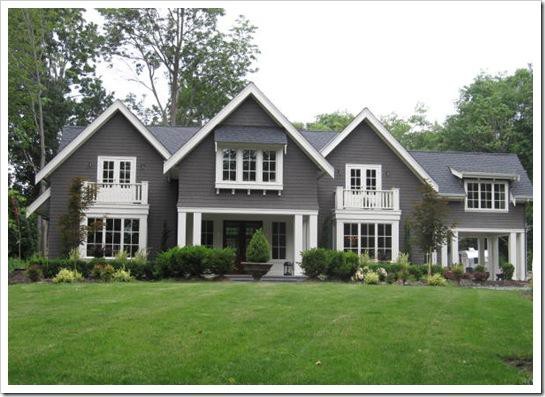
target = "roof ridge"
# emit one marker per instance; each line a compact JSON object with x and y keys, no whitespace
{"x":460,"y":152}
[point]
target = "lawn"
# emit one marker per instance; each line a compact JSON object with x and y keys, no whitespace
{"x":265,"y":333}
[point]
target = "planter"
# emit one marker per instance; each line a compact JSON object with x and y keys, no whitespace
{"x":256,"y":269}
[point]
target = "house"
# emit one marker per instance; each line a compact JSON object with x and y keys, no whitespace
{"x":249,"y":168}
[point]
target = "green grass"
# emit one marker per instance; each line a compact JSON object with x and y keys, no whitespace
{"x":265,"y":333}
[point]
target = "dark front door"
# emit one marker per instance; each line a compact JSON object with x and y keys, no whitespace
{"x":237,"y":235}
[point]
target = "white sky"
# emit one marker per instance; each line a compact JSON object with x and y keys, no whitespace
{"x":321,"y":57}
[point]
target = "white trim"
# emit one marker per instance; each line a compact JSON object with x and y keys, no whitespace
{"x":297,"y":243}
{"x":251,"y":89}
{"x":182,"y":229}
{"x":42,"y":198}
{"x":253,"y":211}
{"x":91,"y":129}
{"x":117,"y":160}
{"x":486,"y":230}
{"x":491,"y":182}
{"x":394,"y":248}
{"x":197,"y":228}
{"x":312,"y":231}
{"x":348,"y":215}
{"x":366,"y":114}
{"x":487,"y":175}
{"x":118,"y":210}
{"x":363,"y":168}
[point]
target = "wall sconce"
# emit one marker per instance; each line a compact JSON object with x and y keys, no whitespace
{"x":90,"y":164}
{"x":387,"y":173}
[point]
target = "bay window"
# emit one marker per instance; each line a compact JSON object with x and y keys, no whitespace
{"x":486,"y":196}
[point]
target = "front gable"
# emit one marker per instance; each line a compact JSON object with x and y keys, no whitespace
{"x":251,"y":114}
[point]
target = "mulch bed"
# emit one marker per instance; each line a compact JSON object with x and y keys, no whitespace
{"x":18,"y":276}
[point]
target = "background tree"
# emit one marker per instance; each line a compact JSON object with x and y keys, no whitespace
{"x":21,"y":231}
{"x":428,"y":223}
{"x":335,"y":121}
{"x":183,"y":47}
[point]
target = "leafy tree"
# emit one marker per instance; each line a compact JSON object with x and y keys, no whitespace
{"x":335,"y":121}
{"x":202,"y":66}
{"x":21,"y":231}
{"x":428,"y":222}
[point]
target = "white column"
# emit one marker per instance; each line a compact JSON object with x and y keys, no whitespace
{"x":197,"y":225}
{"x":513,"y":252}
{"x":444,"y":255}
{"x":493,"y":255}
{"x":434,"y":258}
{"x":143,"y":243}
{"x":480,"y":241}
{"x":312,"y":231}
{"x":395,"y":240}
{"x":454,"y":247}
{"x":297,"y":243}
{"x":521,"y":250}
{"x":182,"y":226}
{"x":339,"y":232}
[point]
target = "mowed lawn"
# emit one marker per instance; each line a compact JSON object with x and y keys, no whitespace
{"x":265,"y":333}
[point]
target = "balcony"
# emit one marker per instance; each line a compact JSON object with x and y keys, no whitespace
{"x":371,"y":200}
{"x":119,"y":193}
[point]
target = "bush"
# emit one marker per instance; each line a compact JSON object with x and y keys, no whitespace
{"x":456,"y":272}
{"x":359,"y":275}
{"x":382,"y":274}
{"x":508,"y":270}
{"x":103,"y":272}
{"x":122,"y":275}
{"x":479,"y":268}
{"x":258,"y":249}
{"x":67,"y":276}
{"x":480,"y":277}
{"x":220,"y":260}
{"x":436,"y":280}
{"x":141,"y":270}
{"x":15,"y":263}
{"x":403,"y":264}
{"x":34,"y":273}
{"x":342,"y":265}
{"x":190,"y":260}
{"x":314,"y":262}
{"x":371,"y":278}
{"x":391,"y":278}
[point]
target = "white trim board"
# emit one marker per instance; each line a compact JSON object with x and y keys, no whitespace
{"x":388,"y":138}
{"x":38,"y":202}
{"x":378,"y":216}
{"x":256,"y":211}
{"x":251,"y":89}
{"x":485,"y":230}
{"x":484,"y":175}
{"x":90,"y":130}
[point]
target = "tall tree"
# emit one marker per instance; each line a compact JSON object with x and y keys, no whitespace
{"x":335,"y":121}
{"x":202,"y":66}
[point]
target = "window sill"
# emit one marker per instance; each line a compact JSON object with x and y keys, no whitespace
{"x":493,"y":211}
{"x":249,"y":185}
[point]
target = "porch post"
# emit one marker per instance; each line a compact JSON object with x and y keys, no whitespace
{"x":197,"y":224}
{"x":521,"y":250}
{"x":312,"y":231}
{"x":182,"y":224}
{"x":143,"y":245}
{"x":454,"y":247}
{"x":444,"y":255}
{"x":297,"y":243}
{"x":339,"y":234}
{"x":395,"y":240}
{"x":513,"y":253}
{"x":434,"y":257}
{"x":482,"y":259}
{"x":493,"y":255}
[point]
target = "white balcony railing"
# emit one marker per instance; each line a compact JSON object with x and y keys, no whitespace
{"x":367,"y":199}
{"x":120,"y":193}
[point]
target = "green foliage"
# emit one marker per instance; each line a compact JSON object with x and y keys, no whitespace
{"x":335,"y":121}
{"x":258,"y":249}
{"x":67,"y":276}
{"x":480,"y":268}
{"x":342,"y":265}
{"x":219,"y":261}
{"x":34,"y":273}
{"x":371,"y":278}
{"x":180,"y":262}
{"x":103,"y":272}
{"x":436,"y":280}
{"x":480,"y":276}
{"x":507,"y":269}
{"x":22,"y":232}
{"x":314,"y":262}
{"x":121,"y":275}
{"x":15,"y":263}
{"x":122,"y":256}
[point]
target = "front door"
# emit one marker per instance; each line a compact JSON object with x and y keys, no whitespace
{"x":237,"y":235}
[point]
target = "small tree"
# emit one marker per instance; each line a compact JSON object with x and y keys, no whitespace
{"x":428,"y":223}
{"x":73,"y":232}
{"x":258,"y":249}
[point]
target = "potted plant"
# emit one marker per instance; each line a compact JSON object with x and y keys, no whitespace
{"x":257,"y":256}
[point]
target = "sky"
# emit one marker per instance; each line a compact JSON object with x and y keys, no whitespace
{"x":319,"y":57}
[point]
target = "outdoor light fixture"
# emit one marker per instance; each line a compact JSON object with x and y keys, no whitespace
{"x":288,"y":269}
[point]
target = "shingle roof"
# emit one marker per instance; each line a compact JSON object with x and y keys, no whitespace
{"x":438,"y":165}
{"x":319,"y":139}
{"x":269,"y":135}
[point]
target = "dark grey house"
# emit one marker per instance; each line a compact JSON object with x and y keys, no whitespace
{"x":249,"y":168}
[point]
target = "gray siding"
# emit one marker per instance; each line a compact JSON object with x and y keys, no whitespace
{"x":514,"y":219}
{"x":249,"y":113}
{"x":116,"y":138}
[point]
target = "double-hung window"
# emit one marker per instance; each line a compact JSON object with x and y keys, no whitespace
{"x":249,"y":165}
{"x":108,"y":236}
{"x":375,"y":239}
{"x":486,"y":196}
{"x":207,"y":233}
{"x":269,"y":166}
{"x":279,"y":240}
{"x":229,"y":164}
{"x":363,"y":177}
{"x":116,"y":170}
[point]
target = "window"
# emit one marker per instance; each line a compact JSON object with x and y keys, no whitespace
{"x":363,"y":177}
{"x":116,"y":170}
{"x":207,"y":234}
{"x":229,"y":165}
{"x":279,"y":240}
{"x":249,"y":165}
{"x":269,"y":166}
{"x":106,"y":237}
{"x":486,"y":196}
{"x":373,"y":238}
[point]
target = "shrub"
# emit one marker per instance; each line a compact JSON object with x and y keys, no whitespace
{"x":67,"y":276}
{"x":103,"y":272}
{"x":314,"y":262}
{"x":436,"y":280}
{"x":391,"y":278}
{"x":418,"y":271}
{"x":122,"y":256}
{"x":480,"y":277}
{"x":141,"y":270}
{"x":403,"y":264}
{"x":220,"y":260}
{"x":162,"y":266}
{"x":258,"y":248}
{"x":455,"y":272}
{"x":359,"y":275}
{"x":15,"y":263}
{"x":371,"y":278}
{"x":140,"y":256}
{"x":122,"y":275}
{"x":382,"y":274}
{"x":73,"y":255}
{"x":507,"y":269}
{"x":342,"y":265}
{"x":365,"y":260}
{"x":190,"y":260}
{"x":34,"y":273}
{"x":479,"y":268}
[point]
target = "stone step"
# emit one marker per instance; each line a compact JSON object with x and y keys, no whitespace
{"x":239,"y":277}
{"x":285,"y":279}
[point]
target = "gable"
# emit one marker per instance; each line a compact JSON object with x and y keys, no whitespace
{"x":249,"y":113}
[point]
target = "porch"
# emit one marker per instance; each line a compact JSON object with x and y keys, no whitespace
{"x":289,"y":232}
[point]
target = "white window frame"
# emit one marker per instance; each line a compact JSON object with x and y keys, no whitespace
{"x":258,"y":184}
{"x":363,"y":168}
{"x":117,"y":160}
{"x":285,"y":234}
{"x":394,"y":236}
{"x":492,"y":182}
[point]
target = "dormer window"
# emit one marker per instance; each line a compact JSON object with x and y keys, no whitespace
{"x":487,"y":195}
{"x":229,"y":165}
{"x":116,"y":170}
{"x":249,"y":161}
